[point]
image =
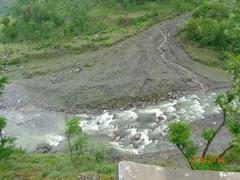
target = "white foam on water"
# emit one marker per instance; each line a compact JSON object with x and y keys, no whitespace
{"x":98,"y":123}
{"x":183,"y":100}
{"x":182,"y":111}
{"x":54,"y":140}
{"x":145,"y":138}
{"x":128,"y":115}
{"x":132,"y":131}
{"x":158,"y":112}
{"x":161,"y":129}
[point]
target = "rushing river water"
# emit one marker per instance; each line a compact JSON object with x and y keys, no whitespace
{"x":136,"y":130}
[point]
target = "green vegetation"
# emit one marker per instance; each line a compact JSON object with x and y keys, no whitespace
{"x":52,"y":166}
{"x":6,"y":142}
{"x":82,"y":157}
{"x":180,"y":131}
{"x":33,"y":28}
{"x":214,"y":25}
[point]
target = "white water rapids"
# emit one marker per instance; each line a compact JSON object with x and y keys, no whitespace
{"x":33,"y":126}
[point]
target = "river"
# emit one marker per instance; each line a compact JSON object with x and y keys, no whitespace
{"x":132,"y":131}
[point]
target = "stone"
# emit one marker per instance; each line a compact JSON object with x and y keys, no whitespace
{"x":44,"y":148}
{"x":146,"y":117}
{"x":114,"y":135}
{"x":88,"y":176}
{"x":161,"y":118}
{"x":128,"y":170}
{"x":77,"y":70}
{"x":135,"y":144}
{"x":137,"y":137}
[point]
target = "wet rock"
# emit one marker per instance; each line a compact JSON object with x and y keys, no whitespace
{"x":130,"y":170}
{"x":171,"y":96}
{"x":154,"y":136}
{"x":122,"y":133}
{"x":146,"y":117}
{"x":161,"y":118}
{"x":44,"y":148}
{"x":157,"y":121}
{"x":88,"y":176}
{"x":114,"y":135}
{"x":174,"y":116}
{"x":154,"y":126}
{"x":137,"y":137}
{"x":135,"y":144}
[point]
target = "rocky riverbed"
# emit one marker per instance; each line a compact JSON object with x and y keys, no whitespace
{"x":125,"y":95}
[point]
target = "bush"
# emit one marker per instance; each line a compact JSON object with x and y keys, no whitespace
{"x":216,"y":25}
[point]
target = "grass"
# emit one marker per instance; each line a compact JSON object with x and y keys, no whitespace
{"x":58,"y":166}
{"x":201,"y":54}
{"x":108,"y":27}
{"x":51,"y":166}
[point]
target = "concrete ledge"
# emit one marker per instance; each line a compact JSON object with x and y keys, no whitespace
{"x":128,"y":170}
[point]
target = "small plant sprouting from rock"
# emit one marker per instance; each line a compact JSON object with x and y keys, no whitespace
{"x":180,"y":131}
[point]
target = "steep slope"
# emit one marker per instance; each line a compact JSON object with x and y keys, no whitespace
{"x":144,"y":67}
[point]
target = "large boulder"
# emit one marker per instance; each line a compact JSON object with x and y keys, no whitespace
{"x":146,"y":117}
{"x":133,"y":171}
{"x":44,"y":148}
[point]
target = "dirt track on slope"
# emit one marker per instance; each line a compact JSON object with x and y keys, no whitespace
{"x":145,"y":67}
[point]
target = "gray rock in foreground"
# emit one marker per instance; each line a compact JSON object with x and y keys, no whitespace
{"x":133,"y":171}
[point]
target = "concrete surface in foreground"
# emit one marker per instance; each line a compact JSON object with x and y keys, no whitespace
{"x":133,"y":171}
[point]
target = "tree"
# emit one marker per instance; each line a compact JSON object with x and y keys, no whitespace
{"x":77,"y":140}
{"x":179,"y":132}
{"x":6,"y":142}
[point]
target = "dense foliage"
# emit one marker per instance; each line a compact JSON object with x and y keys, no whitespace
{"x":35,"y":20}
{"x":216,"y":24}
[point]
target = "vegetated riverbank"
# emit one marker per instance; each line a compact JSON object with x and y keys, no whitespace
{"x":105,"y":24}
